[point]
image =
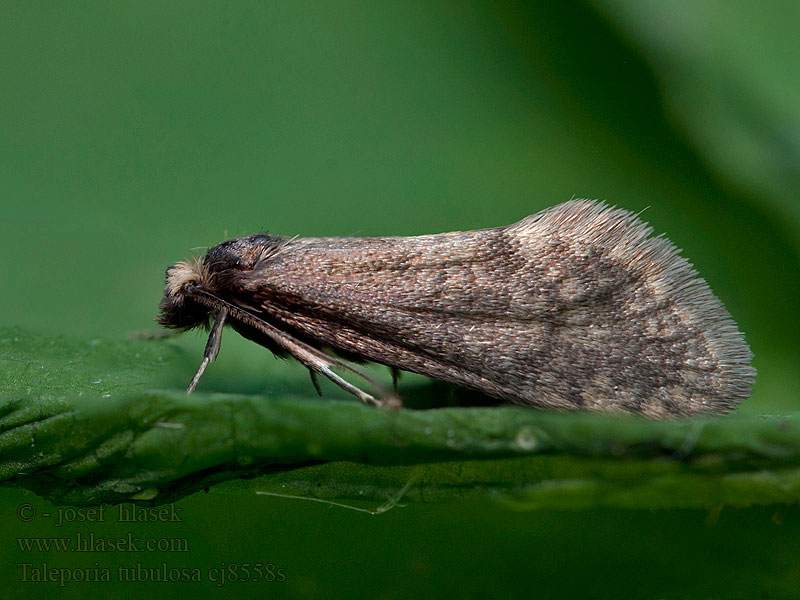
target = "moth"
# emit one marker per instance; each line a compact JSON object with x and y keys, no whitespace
{"x":575,"y":307}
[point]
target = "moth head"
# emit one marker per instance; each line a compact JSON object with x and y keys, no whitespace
{"x":178,"y":308}
{"x":213,"y":273}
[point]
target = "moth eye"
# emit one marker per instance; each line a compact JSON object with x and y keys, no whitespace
{"x":260,"y":238}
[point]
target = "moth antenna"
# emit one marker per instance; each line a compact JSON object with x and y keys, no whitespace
{"x":212,"y":348}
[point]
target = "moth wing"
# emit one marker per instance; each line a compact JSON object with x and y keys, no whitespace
{"x":576,"y":306}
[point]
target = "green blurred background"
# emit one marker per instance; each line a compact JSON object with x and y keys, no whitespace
{"x":134,"y":135}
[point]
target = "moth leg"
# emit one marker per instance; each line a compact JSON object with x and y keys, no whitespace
{"x":313,"y":359}
{"x":318,"y":362}
{"x":395,"y":378}
{"x":212,"y":348}
{"x":315,"y":381}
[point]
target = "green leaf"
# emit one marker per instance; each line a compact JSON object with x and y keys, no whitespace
{"x":729,"y":84}
{"x":80,"y":424}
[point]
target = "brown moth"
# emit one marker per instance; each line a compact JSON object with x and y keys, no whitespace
{"x":575,"y":307}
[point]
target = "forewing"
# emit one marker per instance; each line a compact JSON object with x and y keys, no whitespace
{"x":573,"y":307}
